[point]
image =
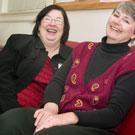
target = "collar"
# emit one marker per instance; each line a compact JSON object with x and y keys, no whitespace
{"x":114,"y":48}
{"x":39,"y":44}
{"x":63,"y":52}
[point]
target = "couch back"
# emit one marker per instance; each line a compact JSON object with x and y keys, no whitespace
{"x":72,"y":44}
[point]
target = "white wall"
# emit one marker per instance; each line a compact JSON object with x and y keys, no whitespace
{"x":15,"y":23}
{"x":0,"y":4}
{"x":88,"y":24}
{"x":6,"y":29}
{"x":85,"y":24}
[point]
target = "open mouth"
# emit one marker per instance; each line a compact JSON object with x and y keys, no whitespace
{"x":51,"y":30}
{"x":115,"y":29}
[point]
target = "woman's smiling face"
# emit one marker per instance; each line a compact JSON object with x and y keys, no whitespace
{"x":120,"y":27}
{"x":51,"y":27}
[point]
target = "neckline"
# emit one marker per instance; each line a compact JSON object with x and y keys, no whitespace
{"x":114,"y":48}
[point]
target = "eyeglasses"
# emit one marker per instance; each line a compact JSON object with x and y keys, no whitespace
{"x":49,"y":19}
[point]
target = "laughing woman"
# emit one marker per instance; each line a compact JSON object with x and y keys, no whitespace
{"x":28,"y":62}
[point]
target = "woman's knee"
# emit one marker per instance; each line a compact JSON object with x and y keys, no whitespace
{"x":73,"y":130}
{"x":17,"y":120}
{"x":17,"y":115}
{"x":58,"y":130}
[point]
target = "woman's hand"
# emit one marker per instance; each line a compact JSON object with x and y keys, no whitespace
{"x":56,"y":120}
{"x":48,"y":110}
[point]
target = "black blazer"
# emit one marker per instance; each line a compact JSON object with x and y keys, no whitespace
{"x":20,"y":61}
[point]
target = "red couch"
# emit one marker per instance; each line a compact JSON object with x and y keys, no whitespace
{"x":127,"y":126}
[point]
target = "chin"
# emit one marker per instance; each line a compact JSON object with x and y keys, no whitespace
{"x":112,"y":40}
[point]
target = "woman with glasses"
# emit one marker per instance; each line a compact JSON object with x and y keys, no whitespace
{"x":28,"y":62}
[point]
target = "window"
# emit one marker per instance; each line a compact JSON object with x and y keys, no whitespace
{"x":27,"y":5}
{"x":10,"y":6}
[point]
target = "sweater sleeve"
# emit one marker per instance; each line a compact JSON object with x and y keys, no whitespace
{"x":122,"y":98}
{"x":55,"y":88}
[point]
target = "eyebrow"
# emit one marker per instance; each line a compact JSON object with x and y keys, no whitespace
{"x":126,"y":15}
{"x":56,"y":17}
{"x":116,"y":11}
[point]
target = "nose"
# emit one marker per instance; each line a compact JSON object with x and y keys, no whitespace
{"x":52,"y":21}
{"x":117,"y":20}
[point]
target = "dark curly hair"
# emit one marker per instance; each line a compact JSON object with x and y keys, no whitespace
{"x":44,"y":12}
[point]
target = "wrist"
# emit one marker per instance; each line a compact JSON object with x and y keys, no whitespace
{"x":70,"y":118}
{"x":51,"y":107}
{"x":74,"y":118}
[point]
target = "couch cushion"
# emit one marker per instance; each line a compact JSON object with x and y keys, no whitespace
{"x":128,"y":125}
